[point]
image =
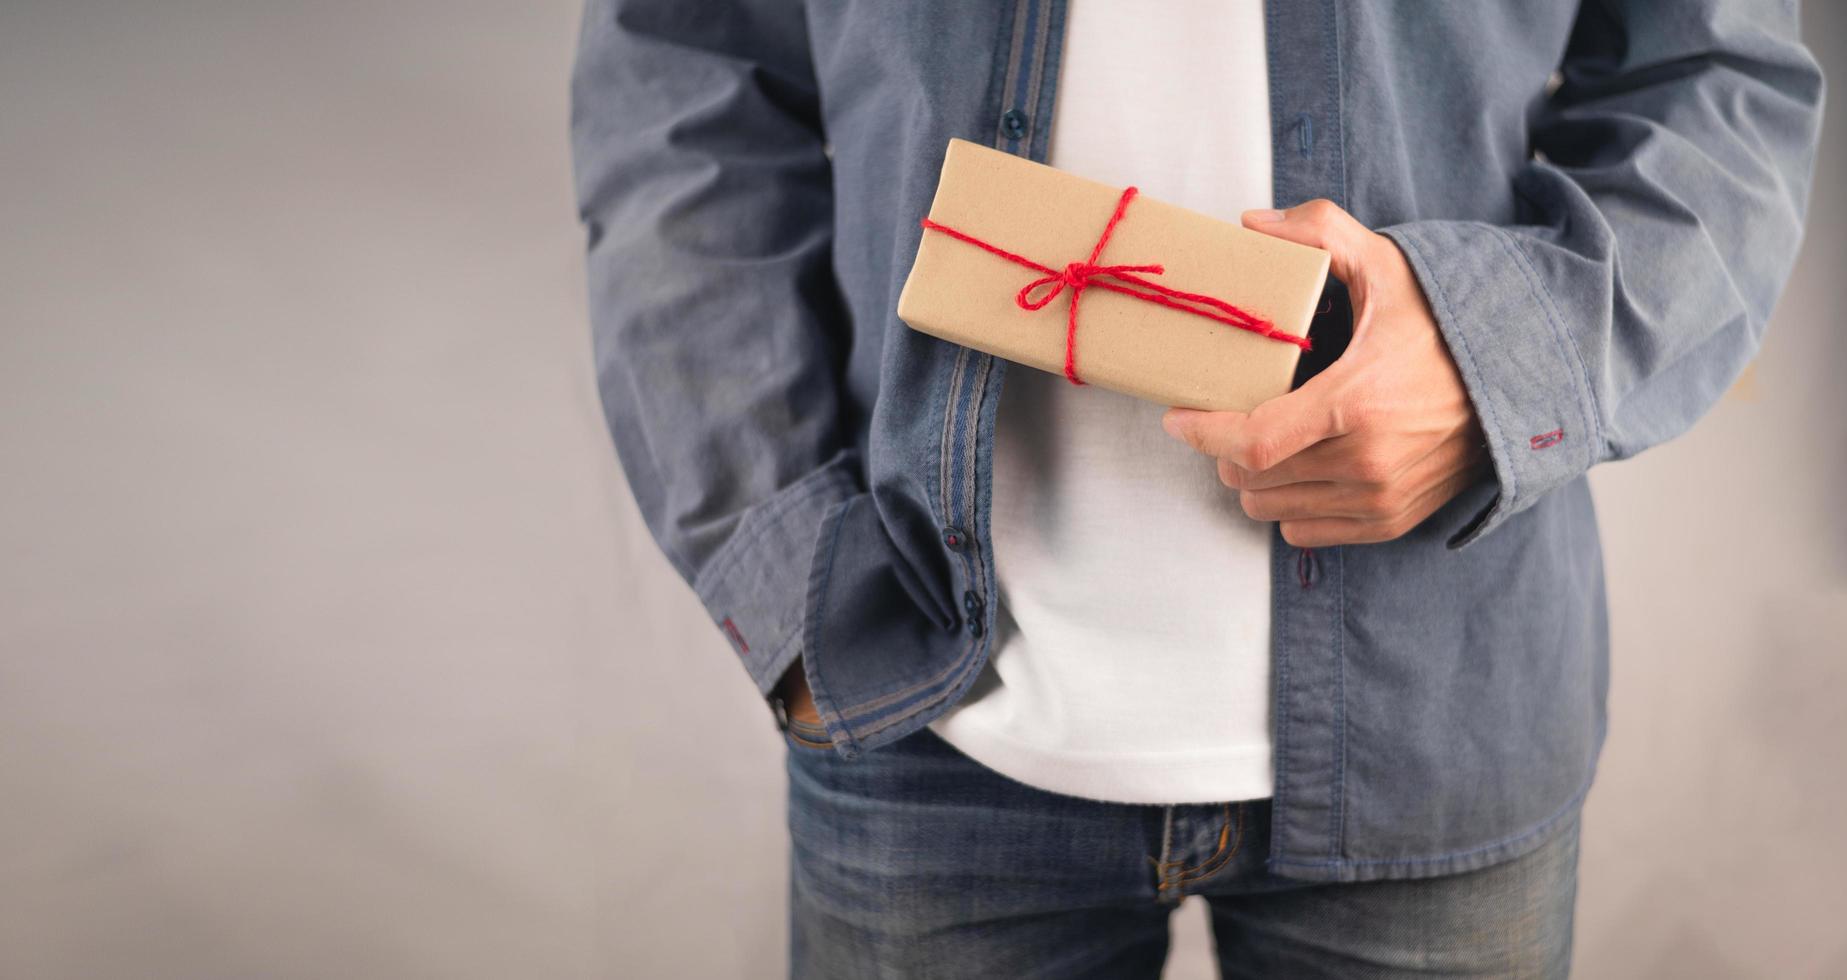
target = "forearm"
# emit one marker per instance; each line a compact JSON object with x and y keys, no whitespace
{"x":1657,"y":224}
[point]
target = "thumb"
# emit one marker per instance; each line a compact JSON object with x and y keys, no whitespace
{"x":1324,"y":225}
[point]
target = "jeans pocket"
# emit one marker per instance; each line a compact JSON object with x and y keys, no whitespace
{"x":807,"y":736}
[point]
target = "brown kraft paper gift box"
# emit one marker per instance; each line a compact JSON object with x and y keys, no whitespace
{"x":962,"y":293}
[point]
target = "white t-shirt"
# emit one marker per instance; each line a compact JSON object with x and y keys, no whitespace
{"x":1131,"y":656}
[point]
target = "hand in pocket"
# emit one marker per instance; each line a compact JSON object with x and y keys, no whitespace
{"x":795,"y":694}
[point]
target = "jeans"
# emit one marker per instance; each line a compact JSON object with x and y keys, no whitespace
{"x":916,"y":861}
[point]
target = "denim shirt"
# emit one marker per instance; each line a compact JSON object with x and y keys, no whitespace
{"x":1601,"y":202}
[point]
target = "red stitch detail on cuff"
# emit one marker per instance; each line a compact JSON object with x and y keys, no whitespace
{"x":1546,"y":440}
{"x":737,"y":638}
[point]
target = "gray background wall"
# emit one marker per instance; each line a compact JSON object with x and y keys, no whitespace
{"x":331,"y":644}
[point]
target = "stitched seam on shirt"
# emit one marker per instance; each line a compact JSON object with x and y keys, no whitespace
{"x":970,"y":570}
{"x":966,"y":469}
{"x":869,"y":707}
{"x":949,"y":414}
{"x":1277,"y":168}
{"x":1283,"y":712}
{"x":979,"y":571}
{"x":1542,"y":827}
{"x":827,"y":574}
{"x":1332,"y":20}
{"x":1015,"y":52}
{"x":958,"y":500}
{"x":1048,"y":79}
{"x":1594,"y":420}
{"x":1034,"y":88}
{"x":966,"y":662}
{"x":975,"y":570}
{"x":1337,"y":798}
{"x":1022,"y":85}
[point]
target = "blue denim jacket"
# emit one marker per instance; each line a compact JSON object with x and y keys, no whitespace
{"x":1600,"y":200}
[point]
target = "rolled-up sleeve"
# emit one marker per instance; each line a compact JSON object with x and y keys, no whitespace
{"x":1656,"y":225}
{"x":705,"y":191}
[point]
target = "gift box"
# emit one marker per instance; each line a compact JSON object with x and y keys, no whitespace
{"x":1107,"y":286}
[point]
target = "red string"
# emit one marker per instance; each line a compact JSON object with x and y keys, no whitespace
{"x":1082,"y":275}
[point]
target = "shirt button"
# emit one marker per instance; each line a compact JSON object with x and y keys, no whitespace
{"x":953,"y":538}
{"x":1013,"y":123}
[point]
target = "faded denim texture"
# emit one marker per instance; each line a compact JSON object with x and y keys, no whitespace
{"x":916,"y":861}
{"x":1602,"y":255}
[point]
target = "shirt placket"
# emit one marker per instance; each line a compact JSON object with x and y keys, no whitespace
{"x":1021,"y":106}
{"x":1308,"y":585}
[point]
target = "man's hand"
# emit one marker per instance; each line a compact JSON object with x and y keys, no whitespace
{"x":795,"y":694}
{"x":1376,"y":442}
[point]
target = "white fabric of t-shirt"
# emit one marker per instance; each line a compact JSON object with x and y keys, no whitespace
{"x":1131,"y":657}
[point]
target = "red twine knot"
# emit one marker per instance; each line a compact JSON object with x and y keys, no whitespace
{"x":1077,"y":275}
{"x":1124,"y":279}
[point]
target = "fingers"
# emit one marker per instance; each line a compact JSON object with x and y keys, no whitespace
{"x":1307,"y":501}
{"x":1330,"y":459}
{"x":1327,"y":532}
{"x":1281,"y":427}
{"x":1324,"y":225}
{"x":1321,"y":531}
{"x":1267,"y":435}
{"x":1392,"y":504}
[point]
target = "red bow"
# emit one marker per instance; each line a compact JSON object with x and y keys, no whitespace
{"x":1082,"y":275}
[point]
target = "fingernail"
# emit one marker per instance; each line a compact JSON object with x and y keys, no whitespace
{"x":1263,"y":216}
{"x":1171,"y":423}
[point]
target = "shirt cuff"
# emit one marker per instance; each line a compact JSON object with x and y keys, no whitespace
{"x":1525,"y":376}
{"x":756,"y":585}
